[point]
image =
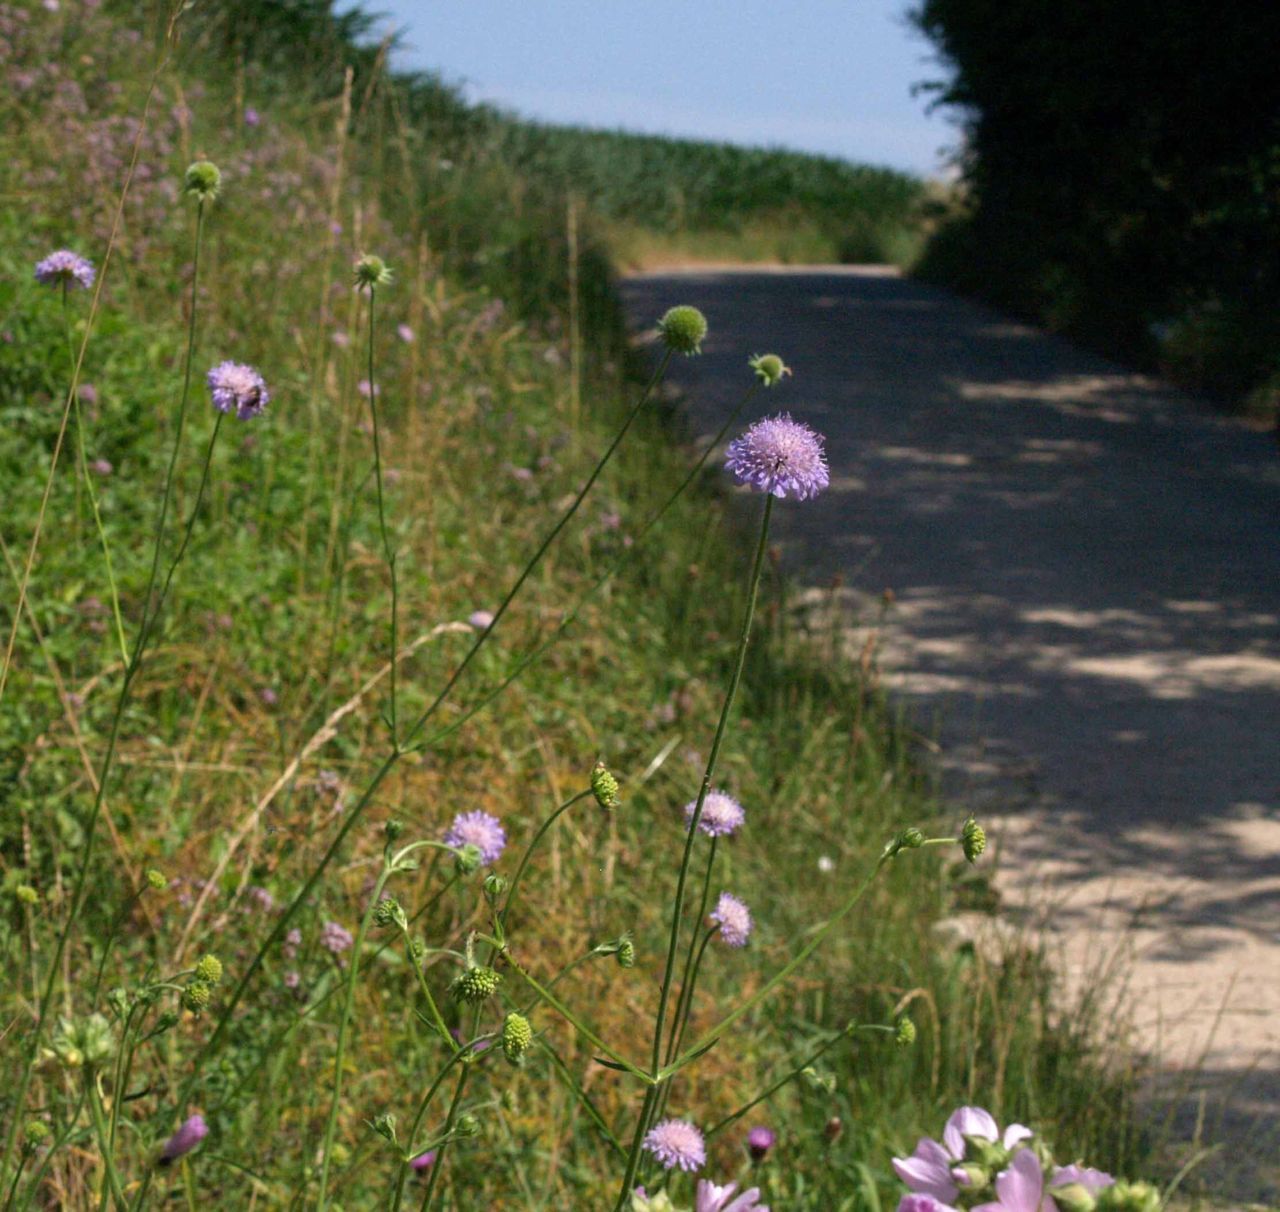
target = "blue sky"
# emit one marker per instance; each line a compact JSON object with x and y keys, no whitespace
{"x":831,"y":76}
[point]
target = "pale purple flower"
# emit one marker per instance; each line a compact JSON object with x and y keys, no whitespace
{"x":262,"y":898}
{"x":424,"y":1161}
{"x":405,"y":333}
{"x":914,"y":1202}
{"x":238,"y":388}
{"x":481,"y":620}
{"x":251,"y":116}
{"x":734,"y":919}
{"x":186,"y":1138}
{"x":340,"y":339}
{"x":721,"y":814}
{"x":711,"y":1198}
{"x":480,"y":830}
{"x":779,"y":456}
{"x":365,"y":388}
{"x":931,"y":1170}
{"x":1021,"y":1188}
{"x":759,"y":1141}
{"x":292,"y":979}
{"x":974,"y":1121}
{"x":101,"y":467}
{"x":677,"y":1143}
{"x":335,"y":938}
{"x":65,"y":268}
{"x":292,"y":941}
{"x":88,"y":394}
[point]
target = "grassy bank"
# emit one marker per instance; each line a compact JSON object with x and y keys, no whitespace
{"x":250,"y":733}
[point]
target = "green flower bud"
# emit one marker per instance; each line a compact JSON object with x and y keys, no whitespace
{"x":905,"y":1035}
{"x":202,"y":181}
{"x":209,"y":970}
{"x":196,"y":996}
{"x":907,"y":839}
{"x":517,"y":1035}
{"x":385,"y":1126}
{"x":469,"y":859}
{"x":976,"y":1176}
{"x":118,"y":1002}
{"x":156,"y":881}
{"x":26,"y":895}
{"x":1074,"y":1197}
{"x":165,"y":1021}
{"x":466,"y":1125}
{"x":820,"y":1079}
{"x":392,"y":830}
{"x":494,"y":886}
{"x":604,"y":786}
{"x":372,"y":271}
{"x":36,"y":1133}
{"x":388,"y":912}
{"x":683,"y":329}
{"x":770,"y":369}
{"x":1125,"y":1196}
{"x":475,"y":985}
{"x":626,"y":954}
{"x":973,"y":839}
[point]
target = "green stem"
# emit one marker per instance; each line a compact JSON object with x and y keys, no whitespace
{"x":681,"y":1019}
{"x":389,"y":762}
{"x":582,"y":1096}
{"x":344,"y":1022}
{"x":437,"y":1018}
{"x":444,"y":1144}
{"x":686,"y":992}
{"x":100,"y":1129}
{"x":633,"y":1157}
{"x":509,"y":903}
{"x":382,"y":522}
{"x":800,"y":957}
{"x":131,"y":669}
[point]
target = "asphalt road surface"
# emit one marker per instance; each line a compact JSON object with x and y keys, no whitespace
{"x":1086,"y":615}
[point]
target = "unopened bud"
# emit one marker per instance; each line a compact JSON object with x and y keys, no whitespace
{"x":770,"y":369}
{"x":209,"y":969}
{"x":469,"y":859}
{"x":517,"y":1035}
{"x":196,"y":997}
{"x":905,"y":1035}
{"x":973,"y":839}
{"x":604,"y":786}
{"x":156,"y":881}
{"x":385,"y":1126}
{"x":388,"y":912}
{"x":494,"y":886}
{"x":202,"y":181}
{"x":834,"y":1126}
{"x":475,"y":985}
{"x":467,"y":1125}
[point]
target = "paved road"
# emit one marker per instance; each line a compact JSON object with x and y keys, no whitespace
{"x":1087,"y":604}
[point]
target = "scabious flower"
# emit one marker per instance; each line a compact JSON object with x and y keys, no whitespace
{"x":481,"y":620}
{"x":238,"y":388}
{"x":759,"y":1141}
{"x":711,"y":1198}
{"x":480,"y":830}
{"x":186,"y":1138}
{"x":251,"y":116}
{"x":779,"y":456}
{"x":101,"y":467}
{"x":405,"y":333}
{"x":721,"y":814}
{"x":677,"y":1143}
{"x":335,"y":938}
{"x":734,"y":919}
{"x":65,"y":268}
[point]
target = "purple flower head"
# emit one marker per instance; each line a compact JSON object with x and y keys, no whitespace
{"x":677,"y":1142}
{"x":424,"y":1161}
{"x":65,"y":268}
{"x":734,"y":919}
{"x":184,"y":1139}
{"x":340,"y":339}
{"x":481,"y":620}
{"x":759,"y":1141}
{"x":251,"y":116}
{"x":480,"y":830}
{"x":292,"y":941}
{"x":365,"y":388}
{"x":711,"y":1198}
{"x":101,"y":467}
{"x":779,"y":456}
{"x":292,"y":980}
{"x":88,"y":394}
{"x":264,"y":900}
{"x":335,"y":938}
{"x":238,"y":388}
{"x":974,"y":1121}
{"x":721,"y":814}
{"x":405,"y":333}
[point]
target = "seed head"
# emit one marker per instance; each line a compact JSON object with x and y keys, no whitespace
{"x":36,"y":1133}
{"x":973,"y":839}
{"x":626,"y":954}
{"x":26,"y":894}
{"x":156,"y":881}
{"x":371,"y":271}
{"x":770,"y":369}
{"x":196,"y":996}
{"x":517,"y":1035}
{"x":905,"y":1034}
{"x":604,"y":786}
{"x":475,"y":985}
{"x":202,"y":181}
{"x":683,"y":330}
{"x":209,"y":969}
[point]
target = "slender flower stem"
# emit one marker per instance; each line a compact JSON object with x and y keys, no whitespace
{"x":792,"y":1073}
{"x":686,"y":992}
{"x":680,"y":1022}
{"x":100,"y":1129}
{"x":633,"y":1157}
{"x":677,"y":908}
{"x":344,"y":1022}
{"x":799,"y":958}
{"x":444,"y":1144}
{"x":149,"y":614}
{"x":390,"y":761}
{"x":382,"y":522}
{"x":509,"y":903}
